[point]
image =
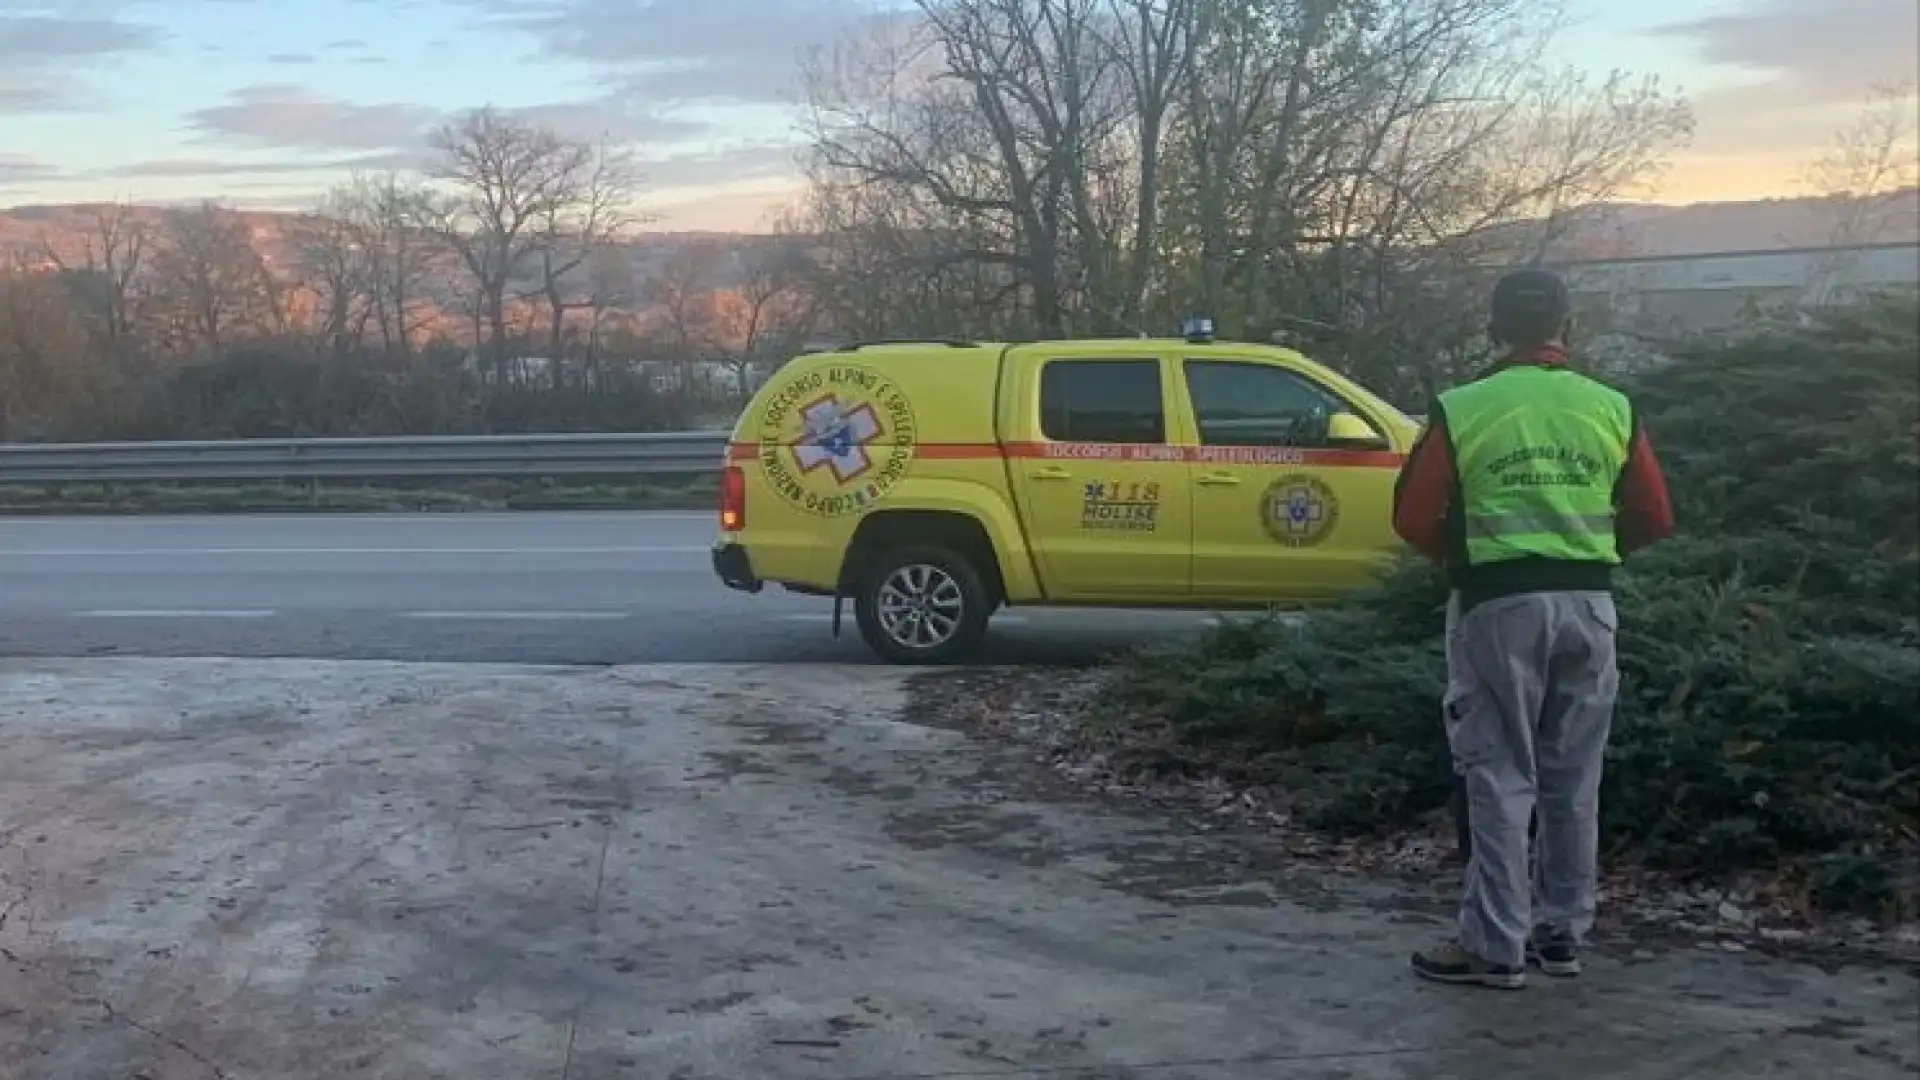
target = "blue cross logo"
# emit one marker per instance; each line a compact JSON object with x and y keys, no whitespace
{"x":836,"y":437}
{"x":1300,"y":510}
{"x":838,"y":441}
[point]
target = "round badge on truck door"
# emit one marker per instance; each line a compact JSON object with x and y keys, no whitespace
{"x":1299,"y":510}
{"x":835,"y":439}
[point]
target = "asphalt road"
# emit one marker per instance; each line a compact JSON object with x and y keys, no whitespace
{"x":585,"y":588}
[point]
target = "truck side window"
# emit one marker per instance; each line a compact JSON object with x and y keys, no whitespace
{"x":1247,"y":404}
{"x":1102,"y":401}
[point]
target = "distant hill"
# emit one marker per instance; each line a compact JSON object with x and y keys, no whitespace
{"x":47,"y":236}
{"x":27,"y":232}
{"x":1620,"y":230}
{"x":1646,"y":230}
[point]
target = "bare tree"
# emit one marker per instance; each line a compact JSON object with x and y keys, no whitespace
{"x":1011,"y":130}
{"x":1155,"y":41}
{"x":505,"y":176}
{"x":113,"y":254}
{"x":683,"y":290}
{"x":1873,"y":156}
{"x":335,"y":264}
{"x":610,"y":284}
{"x":1260,"y":120}
{"x":1061,"y":166}
{"x":390,"y":219}
{"x":213,"y":279}
{"x":593,"y":211}
{"x":1868,"y":176}
{"x":685,"y":294}
{"x":1458,"y":189}
{"x":762,"y":315}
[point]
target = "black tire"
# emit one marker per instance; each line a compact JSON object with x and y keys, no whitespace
{"x":940,"y":565}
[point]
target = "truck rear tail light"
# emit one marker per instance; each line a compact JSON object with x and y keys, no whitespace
{"x":733,"y":499}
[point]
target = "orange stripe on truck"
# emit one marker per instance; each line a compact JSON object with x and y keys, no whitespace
{"x":1198,"y":455}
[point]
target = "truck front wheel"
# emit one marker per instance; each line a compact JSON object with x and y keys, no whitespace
{"x":922,"y":604}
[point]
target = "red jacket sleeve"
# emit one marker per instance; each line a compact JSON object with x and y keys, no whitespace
{"x":1423,"y":490}
{"x":1645,"y":514}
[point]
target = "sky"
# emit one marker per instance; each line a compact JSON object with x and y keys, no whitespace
{"x":268,"y":102}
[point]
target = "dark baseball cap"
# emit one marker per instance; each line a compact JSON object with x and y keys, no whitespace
{"x":1531,"y":296}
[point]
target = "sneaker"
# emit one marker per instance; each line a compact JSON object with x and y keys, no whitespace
{"x":1449,"y":963}
{"x":1556,"y":953}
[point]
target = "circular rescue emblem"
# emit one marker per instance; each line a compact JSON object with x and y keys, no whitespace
{"x":834,"y":440}
{"x":1299,"y":510}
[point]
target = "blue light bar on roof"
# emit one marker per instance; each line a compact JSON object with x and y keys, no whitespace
{"x":1196,"y":328}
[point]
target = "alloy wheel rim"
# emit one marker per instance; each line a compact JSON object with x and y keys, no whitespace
{"x":920,"y":606}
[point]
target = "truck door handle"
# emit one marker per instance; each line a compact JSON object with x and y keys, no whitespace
{"x":1054,"y":472}
{"x":1219,"y":480}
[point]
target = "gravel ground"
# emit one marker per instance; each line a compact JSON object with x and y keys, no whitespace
{"x":297,"y":870}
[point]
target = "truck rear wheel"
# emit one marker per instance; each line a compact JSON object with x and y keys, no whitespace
{"x":922,"y":604}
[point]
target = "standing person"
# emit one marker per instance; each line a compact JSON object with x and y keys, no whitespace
{"x":1530,"y":484}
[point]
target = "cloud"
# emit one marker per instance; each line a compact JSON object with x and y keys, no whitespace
{"x":293,"y":58}
{"x":745,"y":79}
{"x":354,"y":51}
{"x":28,"y":41}
{"x":19,"y":169}
{"x":1809,"y":66}
{"x":284,"y":116}
{"x":740,"y":164}
{"x":1812,"y":51}
{"x":614,"y":118}
{"x":173,"y":168}
{"x":44,"y":59}
{"x":33,"y":97}
{"x":717,"y":50}
{"x":166,"y":168}
{"x":703,"y":171}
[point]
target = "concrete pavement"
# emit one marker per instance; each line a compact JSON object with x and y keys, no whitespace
{"x":290,"y":870}
{"x":587,"y":588}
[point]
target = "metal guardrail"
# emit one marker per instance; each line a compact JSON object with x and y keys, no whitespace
{"x":683,"y":453}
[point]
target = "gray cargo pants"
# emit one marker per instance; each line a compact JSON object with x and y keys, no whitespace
{"x":1531,"y":686}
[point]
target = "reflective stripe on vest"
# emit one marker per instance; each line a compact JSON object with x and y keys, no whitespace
{"x":1538,"y":521}
{"x":1538,"y":451}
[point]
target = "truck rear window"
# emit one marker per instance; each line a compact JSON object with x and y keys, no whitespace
{"x":1102,"y":401}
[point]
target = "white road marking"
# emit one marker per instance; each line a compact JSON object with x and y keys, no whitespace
{"x":119,"y":553}
{"x":178,"y":613}
{"x":519,"y":616}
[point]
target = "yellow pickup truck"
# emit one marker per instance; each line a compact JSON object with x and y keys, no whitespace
{"x":936,"y":482}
